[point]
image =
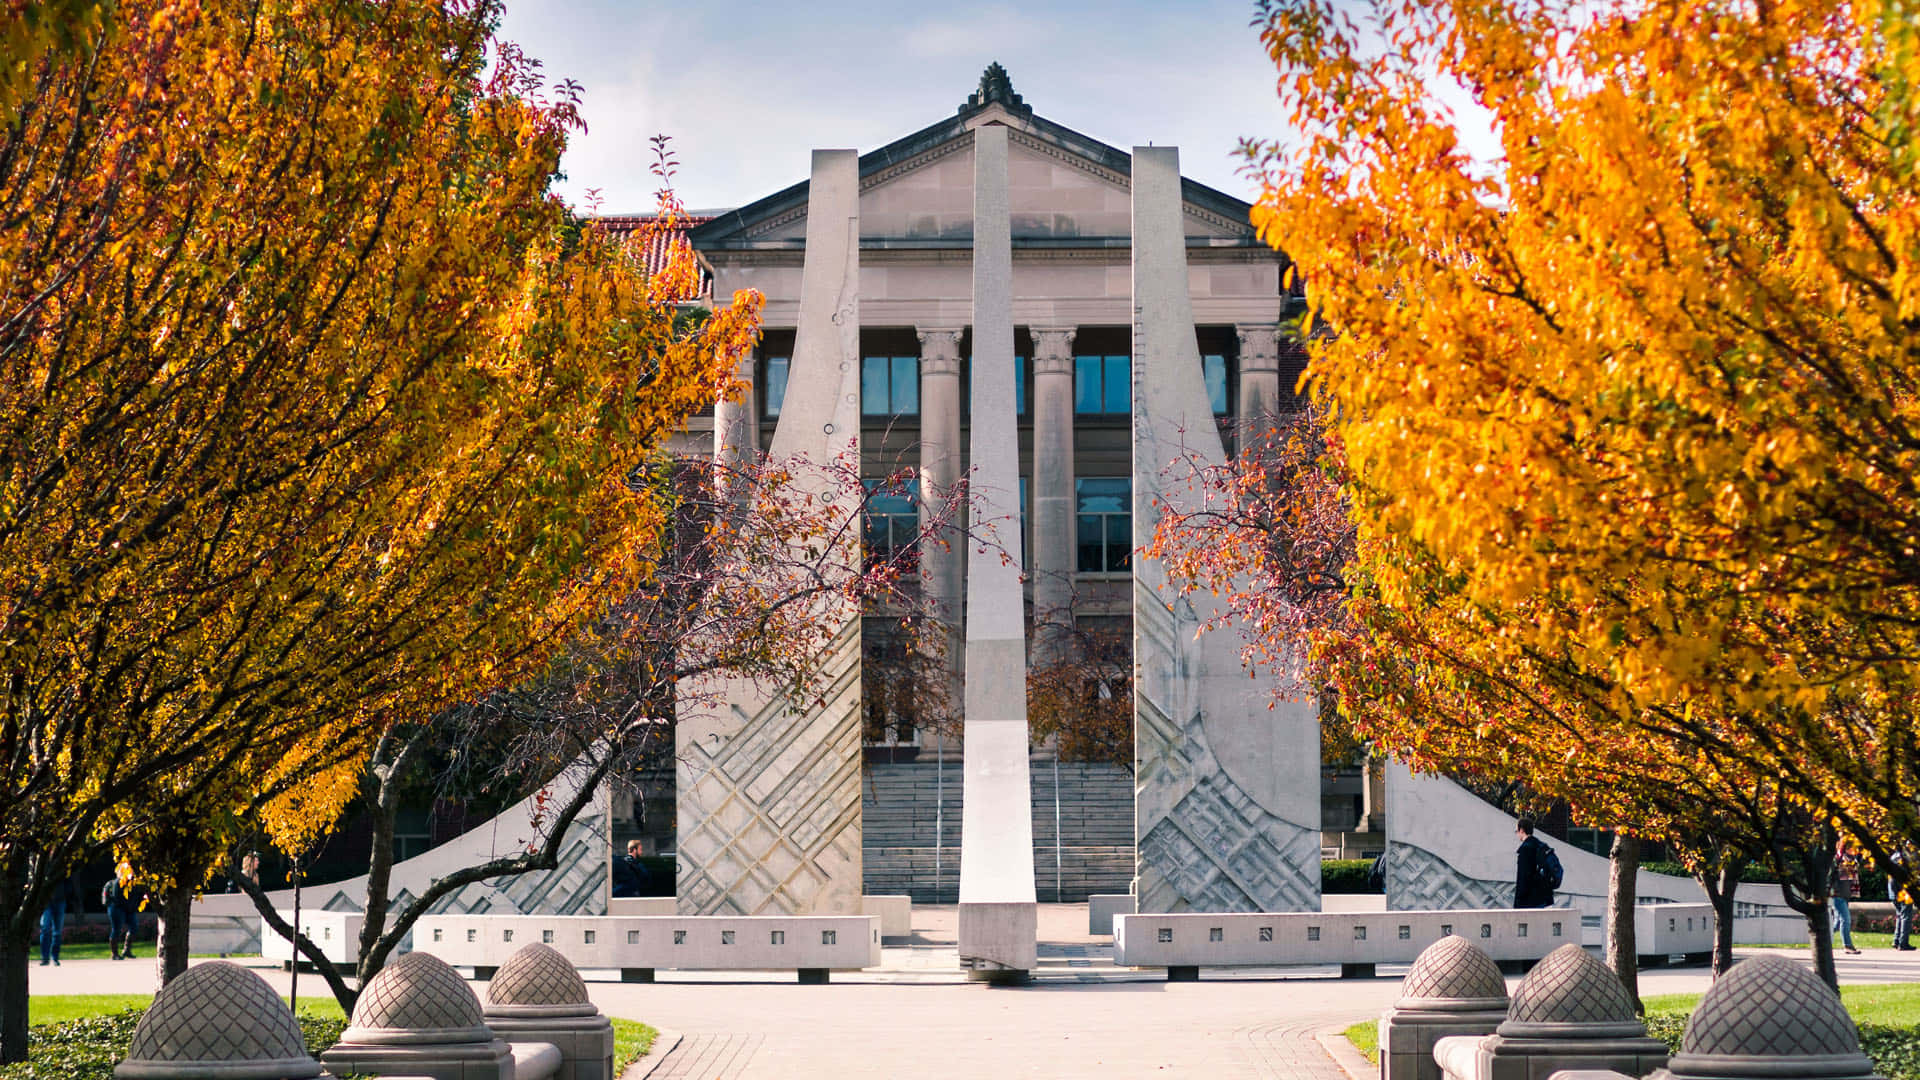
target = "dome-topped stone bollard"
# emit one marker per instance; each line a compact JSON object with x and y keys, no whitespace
{"x":1570,"y":1013}
{"x":418,"y":1018}
{"x":1770,"y":1018}
{"x":537,"y":996}
{"x":1452,"y":989}
{"x":217,"y":1021}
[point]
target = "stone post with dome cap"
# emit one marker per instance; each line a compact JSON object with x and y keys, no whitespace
{"x":537,"y":997}
{"x":1569,"y":1013}
{"x":418,"y":1018}
{"x":1769,"y":1017}
{"x":1452,"y":989}
{"x":217,"y":1021}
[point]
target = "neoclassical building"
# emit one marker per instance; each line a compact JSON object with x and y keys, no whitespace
{"x":1069,"y":198}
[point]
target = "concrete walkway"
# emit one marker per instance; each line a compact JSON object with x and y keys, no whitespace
{"x":917,"y":1017}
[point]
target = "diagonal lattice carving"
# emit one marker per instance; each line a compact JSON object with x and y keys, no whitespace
{"x":1419,"y":880}
{"x":1454,"y":968}
{"x":769,"y":819}
{"x":1213,"y":847}
{"x":1770,"y":1007}
{"x":417,"y":991}
{"x":536,"y":974}
{"x":221,"y":1013}
{"x":1570,"y":987}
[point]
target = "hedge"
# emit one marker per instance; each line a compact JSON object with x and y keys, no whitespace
{"x":1346,"y":876}
{"x":87,"y":1049}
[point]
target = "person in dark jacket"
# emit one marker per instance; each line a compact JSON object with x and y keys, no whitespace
{"x":630,"y":877}
{"x":66,"y":896}
{"x":123,"y":897}
{"x":1530,"y":888}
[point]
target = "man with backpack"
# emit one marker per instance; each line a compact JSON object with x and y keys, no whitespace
{"x":1538,"y":872}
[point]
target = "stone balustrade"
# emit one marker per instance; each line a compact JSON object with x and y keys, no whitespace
{"x":639,"y":945}
{"x":1355,"y":940}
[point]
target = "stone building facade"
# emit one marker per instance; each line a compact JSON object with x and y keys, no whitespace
{"x":1071,"y":220}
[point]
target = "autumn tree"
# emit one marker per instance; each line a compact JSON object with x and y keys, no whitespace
{"x":316,"y":409}
{"x":754,"y":550}
{"x":1640,"y":384}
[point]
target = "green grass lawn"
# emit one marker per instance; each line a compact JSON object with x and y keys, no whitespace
{"x":97,"y":950}
{"x":632,"y":1040}
{"x":60,"y":1008}
{"x":1863,"y":939}
{"x":1879,"y":1006}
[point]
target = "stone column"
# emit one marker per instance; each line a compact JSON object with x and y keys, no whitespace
{"x":940,"y":565}
{"x":736,"y":423}
{"x":767,"y":782}
{"x":1226,"y":783}
{"x":998,"y":920}
{"x":1259,"y":374}
{"x":1050,"y":564}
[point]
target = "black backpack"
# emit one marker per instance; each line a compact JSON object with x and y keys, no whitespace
{"x":1551,"y":873}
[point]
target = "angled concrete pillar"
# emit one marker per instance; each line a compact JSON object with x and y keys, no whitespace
{"x":998,"y":927}
{"x":1050,"y":565}
{"x":767,"y":785}
{"x":940,"y":456}
{"x":1226,"y":792}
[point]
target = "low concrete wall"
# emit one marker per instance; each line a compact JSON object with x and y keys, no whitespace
{"x":1667,"y":929}
{"x":1350,"y":939}
{"x":649,"y":942}
{"x":894,"y":912}
{"x":337,"y":933}
{"x":1102,"y":907}
{"x":641,"y":905}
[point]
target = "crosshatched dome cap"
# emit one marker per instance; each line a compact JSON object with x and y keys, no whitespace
{"x":538,"y":976}
{"x":417,"y":999}
{"x":218,"y":1019}
{"x":1571,"y":987}
{"x":1774,"y":1010}
{"x":1454,"y":969}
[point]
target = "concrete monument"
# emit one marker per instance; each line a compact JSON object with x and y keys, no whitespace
{"x":1227,"y":791}
{"x":1452,"y":989}
{"x":537,"y":997}
{"x":768,"y":790}
{"x":1570,"y":1012}
{"x":418,"y":1018}
{"x":998,"y":920}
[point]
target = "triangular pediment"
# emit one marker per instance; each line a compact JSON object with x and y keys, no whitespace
{"x":1063,"y":187}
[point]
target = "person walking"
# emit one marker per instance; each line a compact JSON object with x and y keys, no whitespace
{"x":54,"y":920}
{"x":630,"y":877}
{"x":1902,"y":906}
{"x":1532,"y":883}
{"x":123,"y":896}
{"x":1843,"y":885}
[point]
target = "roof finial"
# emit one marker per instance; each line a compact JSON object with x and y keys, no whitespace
{"x":995,"y":86}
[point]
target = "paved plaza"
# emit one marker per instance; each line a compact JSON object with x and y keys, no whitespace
{"x":917,"y":1016}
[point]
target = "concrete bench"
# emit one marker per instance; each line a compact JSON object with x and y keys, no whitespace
{"x":639,"y":945}
{"x":1661,"y":931}
{"x":1355,"y":940}
{"x":894,"y":912}
{"x":1102,"y":907}
{"x":536,"y":1061}
{"x":337,"y":933}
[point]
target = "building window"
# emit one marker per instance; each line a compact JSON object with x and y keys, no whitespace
{"x":1102,"y":385}
{"x":890,"y":386}
{"x":893,"y":517}
{"x":776,"y":383}
{"x":1215,"y":368}
{"x":1104,"y":523}
{"x":1020,"y":387}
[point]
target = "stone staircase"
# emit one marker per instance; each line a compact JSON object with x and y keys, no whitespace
{"x":1091,"y":851}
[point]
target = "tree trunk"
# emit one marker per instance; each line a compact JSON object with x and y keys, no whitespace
{"x":1820,"y":930}
{"x":15,"y":946}
{"x":17,"y":925}
{"x":1622,"y":890}
{"x":176,"y":919}
{"x":1722,"y":887}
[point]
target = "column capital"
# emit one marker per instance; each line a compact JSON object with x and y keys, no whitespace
{"x":1259,"y":346}
{"x":1052,"y":349}
{"x":939,"y":349}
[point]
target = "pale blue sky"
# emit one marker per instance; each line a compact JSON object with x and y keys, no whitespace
{"x":747,"y":89}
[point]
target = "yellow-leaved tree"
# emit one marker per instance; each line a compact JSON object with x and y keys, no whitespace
{"x":317,"y":410}
{"x":1637,"y":394}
